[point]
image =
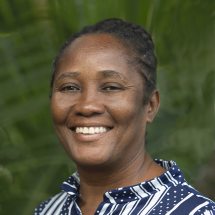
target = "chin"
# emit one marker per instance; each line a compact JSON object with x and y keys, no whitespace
{"x":91,"y":158}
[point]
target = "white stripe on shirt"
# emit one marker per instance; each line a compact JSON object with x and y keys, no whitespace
{"x":198,"y":207}
{"x":130,"y":207}
{"x":169,"y":176}
{"x":177,"y":205}
{"x":110,"y":198}
{"x":70,"y":185}
{"x":104,"y":208}
{"x":57,"y":212}
{"x":56,"y":203}
{"x":51,"y":202}
{"x":155,"y":200}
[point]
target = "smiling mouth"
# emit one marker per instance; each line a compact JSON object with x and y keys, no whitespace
{"x":90,"y":130}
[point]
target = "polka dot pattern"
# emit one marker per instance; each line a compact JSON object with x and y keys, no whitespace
{"x":166,"y":194}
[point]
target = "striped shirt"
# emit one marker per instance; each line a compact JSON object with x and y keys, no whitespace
{"x":166,"y":194}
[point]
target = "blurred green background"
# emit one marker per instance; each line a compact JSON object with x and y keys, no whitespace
{"x":33,"y":164}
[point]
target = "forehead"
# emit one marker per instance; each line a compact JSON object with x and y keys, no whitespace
{"x":100,"y":45}
{"x":97,"y":52}
{"x":96,"y":40}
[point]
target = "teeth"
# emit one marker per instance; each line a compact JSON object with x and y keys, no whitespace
{"x":96,"y":130}
{"x":101,"y":130}
{"x":85,"y":130}
{"x":91,"y":130}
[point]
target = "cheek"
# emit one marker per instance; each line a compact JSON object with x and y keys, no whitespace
{"x":59,"y":109}
{"x":128,"y":109}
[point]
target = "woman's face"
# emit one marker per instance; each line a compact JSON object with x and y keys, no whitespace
{"x":97,"y":103}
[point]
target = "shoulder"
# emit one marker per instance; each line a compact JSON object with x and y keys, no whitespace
{"x":63,"y":200}
{"x":184,"y":199}
{"x":179,"y":197}
{"x":53,"y":204}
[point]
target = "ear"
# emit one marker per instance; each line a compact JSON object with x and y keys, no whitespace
{"x":153,"y":106}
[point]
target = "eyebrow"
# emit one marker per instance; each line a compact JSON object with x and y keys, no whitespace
{"x":112,"y":73}
{"x":68,"y":74}
{"x":104,"y":73}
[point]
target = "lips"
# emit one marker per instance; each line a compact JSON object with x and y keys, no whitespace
{"x":91,"y":130}
{"x":89,"y":133}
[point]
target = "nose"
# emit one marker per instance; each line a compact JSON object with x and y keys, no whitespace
{"x":89,"y":103}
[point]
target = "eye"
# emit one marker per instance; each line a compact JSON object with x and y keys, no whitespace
{"x":69,"y":88}
{"x":110,"y":87}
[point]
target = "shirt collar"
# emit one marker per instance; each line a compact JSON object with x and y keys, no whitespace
{"x":172,"y":177}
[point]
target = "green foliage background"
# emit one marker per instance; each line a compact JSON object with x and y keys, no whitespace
{"x":33,"y":164}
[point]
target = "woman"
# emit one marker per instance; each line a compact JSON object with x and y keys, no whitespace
{"x":103,"y":93}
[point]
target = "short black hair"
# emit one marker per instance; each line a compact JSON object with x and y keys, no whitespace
{"x":134,"y":37}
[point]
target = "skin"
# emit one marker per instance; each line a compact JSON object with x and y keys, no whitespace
{"x":95,"y":86}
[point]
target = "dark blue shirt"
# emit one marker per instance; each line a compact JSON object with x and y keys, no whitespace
{"x":166,"y":194}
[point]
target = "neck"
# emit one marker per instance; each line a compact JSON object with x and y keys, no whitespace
{"x":95,"y":183}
